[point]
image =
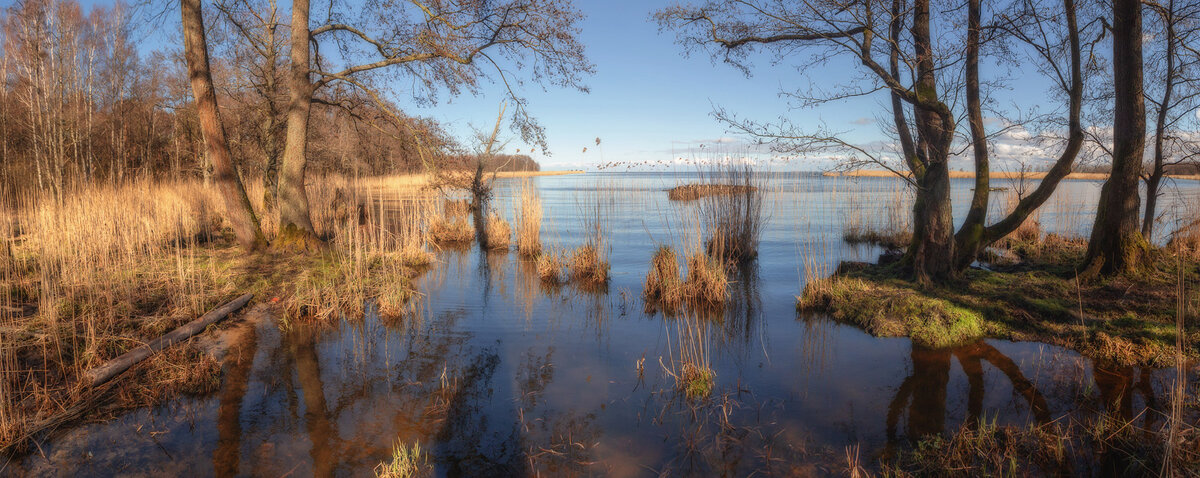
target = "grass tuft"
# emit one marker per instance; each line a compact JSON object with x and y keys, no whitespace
{"x":588,"y":267}
{"x":499,"y":232}
{"x":407,"y":462}
{"x":529,"y":224}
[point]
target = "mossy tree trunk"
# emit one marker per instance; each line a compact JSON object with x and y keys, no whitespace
{"x":931,"y":254}
{"x":237,"y":205}
{"x":1117,"y":245}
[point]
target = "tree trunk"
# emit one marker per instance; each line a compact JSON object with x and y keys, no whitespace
{"x":1154,"y":181}
{"x":237,"y":204}
{"x":1116,"y":244}
{"x":931,"y":253}
{"x":296,"y":231}
{"x":974,"y":236}
{"x":970,"y":236}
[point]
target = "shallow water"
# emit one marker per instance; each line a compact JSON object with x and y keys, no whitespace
{"x":496,"y":374}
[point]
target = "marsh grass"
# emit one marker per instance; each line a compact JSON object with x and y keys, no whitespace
{"x":692,"y":192}
{"x":498,"y":231}
{"x":551,"y":266}
{"x":663,"y":286}
{"x":588,"y":267}
{"x":707,"y":281}
{"x":588,"y":263}
{"x":100,"y":269}
{"x":529,"y":222}
{"x":733,"y":221}
{"x":689,"y":358}
{"x":889,"y":227}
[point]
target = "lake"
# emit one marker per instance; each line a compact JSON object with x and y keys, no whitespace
{"x":496,"y":374}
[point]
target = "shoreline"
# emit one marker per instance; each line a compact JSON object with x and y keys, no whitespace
{"x":874,"y":173}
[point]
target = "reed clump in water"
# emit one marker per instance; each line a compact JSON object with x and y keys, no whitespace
{"x":690,"y":366}
{"x":663,"y":286}
{"x":453,"y":226}
{"x":707,"y":282}
{"x":550,"y":266}
{"x":498,"y":231}
{"x":529,"y":224}
{"x":733,"y":221}
{"x":692,"y":192}
{"x":587,"y":266}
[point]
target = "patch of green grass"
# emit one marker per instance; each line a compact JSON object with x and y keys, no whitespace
{"x":888,"y":310}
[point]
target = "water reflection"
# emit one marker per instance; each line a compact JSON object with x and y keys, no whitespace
{"x":923,"y":394}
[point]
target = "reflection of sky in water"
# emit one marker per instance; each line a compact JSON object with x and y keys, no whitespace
{"x":498,"y":375}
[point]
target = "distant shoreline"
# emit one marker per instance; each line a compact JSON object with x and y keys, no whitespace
{"x":872,"y":173}
{"x":526,"y":174}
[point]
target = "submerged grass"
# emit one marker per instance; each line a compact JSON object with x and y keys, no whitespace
{"x":407,"y":462}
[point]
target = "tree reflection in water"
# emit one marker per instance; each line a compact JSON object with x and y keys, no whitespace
{"x":924,"y":392}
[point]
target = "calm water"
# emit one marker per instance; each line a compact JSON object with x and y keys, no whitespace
{"x":498,"y":375}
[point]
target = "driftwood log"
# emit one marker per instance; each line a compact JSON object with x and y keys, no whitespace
{"x":114,"y":367}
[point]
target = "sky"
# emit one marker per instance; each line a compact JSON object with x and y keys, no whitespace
{"x":647,"y":101}
{"x":651,"y":103}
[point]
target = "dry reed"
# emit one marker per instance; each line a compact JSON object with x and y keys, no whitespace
{"x":707,"y":281}
{"x":663,"y":286}
{"x":733,"y":221}
{"x":529,"y":224}
{"x":587,"y":266}
{"x":498,"y":231}
{"x":550,"y":266}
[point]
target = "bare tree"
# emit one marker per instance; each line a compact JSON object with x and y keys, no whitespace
{"x":923,"y":95}
{"x":1116,"y":243}
{"x":256,"y":50}
{"x":237,"y":204}
{"x":441,"y":44}
{"x":1174,"y":70}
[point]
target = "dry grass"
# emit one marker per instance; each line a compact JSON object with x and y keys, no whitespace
{"x":551,"y":266}
{"x":663,"y":286}
{"x":451,"y":231}
{"x":407,"y":462}
{"x":587,"y":266}
{"x":733,"y":220}
{"x":498,"y":232}
{"x":102,"y":269}
{"x":529,"y":222}
{"x":692,"y":192}
{"x":707,"y":282}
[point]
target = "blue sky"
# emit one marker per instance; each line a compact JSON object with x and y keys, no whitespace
{"x":646,"y":98}
{"x":649,"y":103}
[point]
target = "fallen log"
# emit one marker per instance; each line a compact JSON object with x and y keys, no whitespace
{"x":114,"y":367}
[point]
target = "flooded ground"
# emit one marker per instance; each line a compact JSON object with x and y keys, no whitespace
{"x":496,"y":374}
